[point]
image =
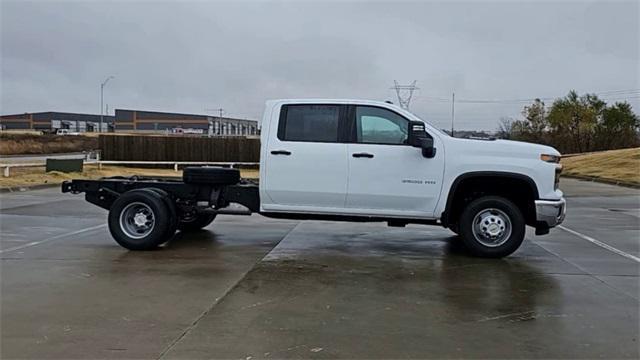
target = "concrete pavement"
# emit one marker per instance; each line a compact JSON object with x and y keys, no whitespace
{"x":262,"y":288}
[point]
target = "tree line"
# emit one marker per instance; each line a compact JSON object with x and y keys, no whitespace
{"x":575,"y":124}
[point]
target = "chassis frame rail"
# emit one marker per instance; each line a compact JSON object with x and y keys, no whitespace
{"x":103,"y":192}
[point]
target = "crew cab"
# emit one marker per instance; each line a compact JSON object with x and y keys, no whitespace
{"x":351,"y":160}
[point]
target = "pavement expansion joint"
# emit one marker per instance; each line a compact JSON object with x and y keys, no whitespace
{"x":217,"y":301}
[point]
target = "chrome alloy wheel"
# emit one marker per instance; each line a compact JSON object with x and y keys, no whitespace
{"x":137,"y":220}
{"x":492,"y":227}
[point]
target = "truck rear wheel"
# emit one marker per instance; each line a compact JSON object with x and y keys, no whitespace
{"x":171,"y":207}
{"x":195,"y":222}
{"x":492,"y":226}
{"x":140,"y":220}
{"x":455,"y":228}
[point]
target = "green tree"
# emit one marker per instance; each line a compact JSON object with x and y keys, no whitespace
{"x":536,"y":123}
{"x":573,"y":121}
{"x":618,"y":127}
{"x":533,"y":127}
{"x":576,"y":124}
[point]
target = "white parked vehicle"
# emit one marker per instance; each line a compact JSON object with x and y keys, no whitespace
{"x":187,"y":131}
{"x":353,"y":160}
{"x":67,"y":132}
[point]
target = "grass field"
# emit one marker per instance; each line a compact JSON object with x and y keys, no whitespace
{"x":25,"y":177}
{"x":30,"y":143}
{"x":613,"y":166}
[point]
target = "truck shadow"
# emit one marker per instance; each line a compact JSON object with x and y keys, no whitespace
{"x":202,"y":239}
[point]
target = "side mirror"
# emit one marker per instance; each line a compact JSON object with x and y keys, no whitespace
{"x":428,"y":150}
{"x":418,"y":137}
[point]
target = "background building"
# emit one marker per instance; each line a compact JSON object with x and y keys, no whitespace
{"x":152,"y":121}
{"x":51,"y":120}
{"x":132,"y":121}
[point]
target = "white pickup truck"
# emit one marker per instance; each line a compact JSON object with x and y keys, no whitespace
{"x":351,"y":160}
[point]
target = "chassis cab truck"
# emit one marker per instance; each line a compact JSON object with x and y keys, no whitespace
{"x":351,"y":160}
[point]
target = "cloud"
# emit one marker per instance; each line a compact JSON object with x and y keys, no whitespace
{"x":188,"y":56}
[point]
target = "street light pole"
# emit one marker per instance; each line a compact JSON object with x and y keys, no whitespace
{"x":453,"y":113}
{"x":104,"y":83}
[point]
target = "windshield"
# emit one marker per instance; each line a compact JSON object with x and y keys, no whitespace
{"x":429,"y":123}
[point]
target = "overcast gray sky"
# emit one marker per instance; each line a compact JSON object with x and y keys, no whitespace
{"x":191,"y":55}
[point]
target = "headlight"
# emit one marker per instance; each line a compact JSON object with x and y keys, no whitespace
{"x":550,"y":158}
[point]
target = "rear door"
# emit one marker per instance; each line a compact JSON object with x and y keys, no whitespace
{"x":386,"y":175}
{"x":306,"y":165}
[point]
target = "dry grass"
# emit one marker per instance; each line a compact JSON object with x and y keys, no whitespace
{"x":25,"y":131}
{"x":24,"y":177}
{"x":614,"y":165}
{"x":18,"y":144}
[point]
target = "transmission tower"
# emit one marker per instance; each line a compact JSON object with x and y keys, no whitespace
{"x":404,"y":92}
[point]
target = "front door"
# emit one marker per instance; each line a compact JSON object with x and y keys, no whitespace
{"x":307,"y":160}
{"x":387,"y":176}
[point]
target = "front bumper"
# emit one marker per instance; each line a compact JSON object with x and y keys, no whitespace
{"x":551,"y":212}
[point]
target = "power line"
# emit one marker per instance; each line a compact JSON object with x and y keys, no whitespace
{"x":619,"y":94}
{"x":622,"y":98}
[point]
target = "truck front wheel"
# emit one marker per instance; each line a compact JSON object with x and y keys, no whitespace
{"x":492,"y":226}
{"x":140,"y":220}
{"x":195,"y":222}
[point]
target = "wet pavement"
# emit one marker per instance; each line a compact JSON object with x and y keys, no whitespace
{"x":251,"y":287}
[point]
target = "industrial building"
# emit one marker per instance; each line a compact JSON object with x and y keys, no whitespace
{"x":131,"y":121}
{"x":152,"y":121}
{"x":52,"y":120}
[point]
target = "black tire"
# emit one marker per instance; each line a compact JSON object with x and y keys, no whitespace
{"x":196,"y":222}
{"x":150,"y":202}
{"x":210,"y":176}
{"x":504,"y":207}
{"x":173,"y":214}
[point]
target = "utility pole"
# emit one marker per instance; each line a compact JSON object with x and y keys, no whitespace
{"x":404,"y":92}
{"x":104,"y":83}
{"x":453,"y":112}
{"x":219,"y":110}
{"x":220,"y":113}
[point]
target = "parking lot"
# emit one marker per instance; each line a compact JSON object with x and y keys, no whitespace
{"x":252,"y":287}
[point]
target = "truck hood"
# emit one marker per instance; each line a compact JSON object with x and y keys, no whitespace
{"x":507,"y":148}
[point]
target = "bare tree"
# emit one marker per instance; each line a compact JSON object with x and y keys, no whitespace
{"x":505,"y":128}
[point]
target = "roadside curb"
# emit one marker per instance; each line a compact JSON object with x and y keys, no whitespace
{"x":604,"y":181}
{"x":28,"y":188}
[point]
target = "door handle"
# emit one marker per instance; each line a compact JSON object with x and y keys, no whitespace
{"x":281,"y":152}
{"x":362,"y":155}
